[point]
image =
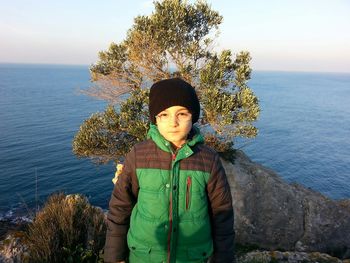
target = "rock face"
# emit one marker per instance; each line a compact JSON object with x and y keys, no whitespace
{"x":288,"y":257}
{"x":12,"y":249}
{"x":276,"y":215}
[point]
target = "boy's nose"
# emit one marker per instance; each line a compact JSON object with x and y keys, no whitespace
{"x":173,"y":121}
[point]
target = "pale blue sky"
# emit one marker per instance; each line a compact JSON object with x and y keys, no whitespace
{"x":298,"y":35}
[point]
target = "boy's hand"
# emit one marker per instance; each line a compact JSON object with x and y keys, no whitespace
{"x":115,"y":179}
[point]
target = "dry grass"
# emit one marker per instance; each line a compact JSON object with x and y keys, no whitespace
{"x":67,"y":228}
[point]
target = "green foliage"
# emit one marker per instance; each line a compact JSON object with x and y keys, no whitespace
{"x":229,"y":105}
{"x":103,"y":136}
{"x":224,"y":148}
{"x":110,"y":60}
{"x":134,"y":114}
{"x":110,"y":135}
{"x":66,"y":229}
{"x":80,"y":255}
{"x":175,"y":40}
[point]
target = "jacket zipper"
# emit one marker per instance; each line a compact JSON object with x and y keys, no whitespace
{"x":173,"y":158}
{"x":170,"y":225}
{"x":188,"y":192}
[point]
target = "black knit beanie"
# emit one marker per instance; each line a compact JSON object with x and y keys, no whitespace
{"x":173,"y":92}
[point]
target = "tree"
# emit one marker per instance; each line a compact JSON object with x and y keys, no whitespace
{"x":175,"y":40}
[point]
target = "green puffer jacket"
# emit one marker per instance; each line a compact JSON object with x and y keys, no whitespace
{"x":169,"y":207}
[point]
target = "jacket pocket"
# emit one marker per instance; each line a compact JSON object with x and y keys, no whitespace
{"x":197,"y":255}
{"x":139,"y":254}
{"x":188,"y":192}
{"x":152,"y":205}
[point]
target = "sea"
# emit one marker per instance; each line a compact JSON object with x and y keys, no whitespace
{"x":304,"y":134}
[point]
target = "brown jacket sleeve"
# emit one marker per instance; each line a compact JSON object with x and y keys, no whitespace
{"x":122,"y":201}
{"x":221,"y":212}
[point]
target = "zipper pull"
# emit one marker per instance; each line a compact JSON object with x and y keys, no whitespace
{"x":188,"y":189}
{"x":189,"y":181}
{"x":173,"y":156}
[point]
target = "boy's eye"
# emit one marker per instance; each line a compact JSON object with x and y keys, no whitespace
{"x":184,"y":116}
{"x":162,"y":115}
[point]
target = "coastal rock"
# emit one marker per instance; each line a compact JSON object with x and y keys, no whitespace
{"x":12,"y":249}
{"x":276,"y":215}
{"x":287,"y":257}
{"x":7,"y":226}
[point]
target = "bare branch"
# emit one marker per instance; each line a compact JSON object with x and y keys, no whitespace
{"x":109,"y":88}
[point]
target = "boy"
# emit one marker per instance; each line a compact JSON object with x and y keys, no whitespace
{"x":172,"y":202}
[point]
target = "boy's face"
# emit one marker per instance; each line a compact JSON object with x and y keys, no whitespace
{"x":174,"y":123}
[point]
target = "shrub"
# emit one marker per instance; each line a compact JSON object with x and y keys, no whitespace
{"x":66,"y":229}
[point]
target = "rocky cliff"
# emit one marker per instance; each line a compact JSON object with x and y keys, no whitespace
{"x":276,"y":215}
{"x":270,"y":214}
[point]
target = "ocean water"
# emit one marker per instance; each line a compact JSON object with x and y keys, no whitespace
{"x":304,"y":129}
{"x":303,"y":133}
{"x":40,"y":112}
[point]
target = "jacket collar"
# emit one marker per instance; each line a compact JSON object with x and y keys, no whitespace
{"x":164,"y":145}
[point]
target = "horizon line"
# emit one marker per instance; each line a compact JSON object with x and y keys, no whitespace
{"x":88,"y":65}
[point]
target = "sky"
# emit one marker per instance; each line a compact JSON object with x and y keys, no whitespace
{"x":285,"y":35}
